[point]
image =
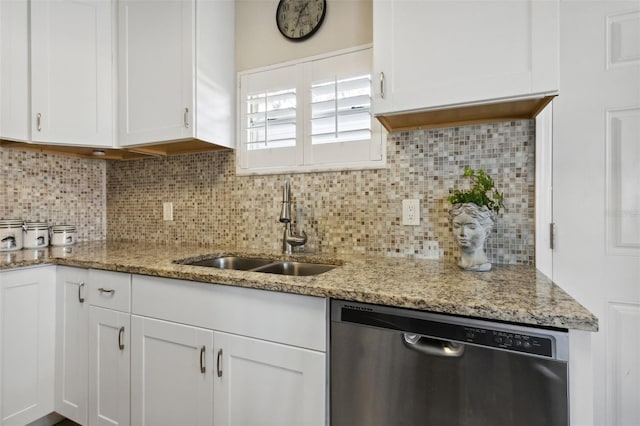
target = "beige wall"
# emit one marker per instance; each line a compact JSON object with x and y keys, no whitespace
{"x":347,"y":23}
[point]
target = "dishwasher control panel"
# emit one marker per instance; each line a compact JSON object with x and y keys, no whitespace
{"x":518,"y":342}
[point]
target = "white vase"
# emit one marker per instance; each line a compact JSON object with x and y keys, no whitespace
{"x":471,"y":227}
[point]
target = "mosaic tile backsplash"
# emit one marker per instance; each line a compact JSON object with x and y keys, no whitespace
{"x":349,"y":212}
{"x":55,"y":189}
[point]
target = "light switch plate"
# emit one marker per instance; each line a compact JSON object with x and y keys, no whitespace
{"x":411,"y":212}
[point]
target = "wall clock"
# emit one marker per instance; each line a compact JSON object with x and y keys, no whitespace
{"x":299,"y":19}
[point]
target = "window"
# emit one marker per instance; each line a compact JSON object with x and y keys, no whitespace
{"x":311,"y":115}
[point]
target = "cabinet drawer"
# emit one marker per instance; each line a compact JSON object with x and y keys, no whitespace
{"x":111,"y":290}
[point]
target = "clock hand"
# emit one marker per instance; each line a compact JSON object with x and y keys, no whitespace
{"x":300,"y":13}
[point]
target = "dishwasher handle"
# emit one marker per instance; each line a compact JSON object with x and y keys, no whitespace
{"x":431,"y":346}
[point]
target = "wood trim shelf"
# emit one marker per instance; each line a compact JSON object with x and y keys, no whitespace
{"x":521,"y":109}
{"x":175,"y":148}
{"x":128,"y":153}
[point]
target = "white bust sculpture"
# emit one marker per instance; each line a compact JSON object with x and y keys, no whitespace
{"x":471,"y":226}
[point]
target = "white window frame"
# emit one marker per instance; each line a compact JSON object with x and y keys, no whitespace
{"x":306,"y":157}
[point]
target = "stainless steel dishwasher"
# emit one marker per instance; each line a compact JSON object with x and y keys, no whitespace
{"x":392,"y":367}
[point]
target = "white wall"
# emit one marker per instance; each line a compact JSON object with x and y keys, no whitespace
{"x":347,"y":23}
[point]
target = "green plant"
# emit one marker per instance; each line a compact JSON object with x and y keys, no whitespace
{"x":483,"y":192}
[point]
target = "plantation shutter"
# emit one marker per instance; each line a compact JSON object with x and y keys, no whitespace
{"x":340,"y":124}
{"x":269,"y":119}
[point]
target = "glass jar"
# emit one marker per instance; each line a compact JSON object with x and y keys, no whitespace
{"x":36,"y":235}
{"x":11,"y":237}
{"x":63,"y":235}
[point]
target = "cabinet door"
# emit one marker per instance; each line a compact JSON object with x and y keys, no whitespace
{"x":109,"y":366}
{"x":72,"y":344}
{"x":14,"y":70}
{"x":27,"y":344}
{"x":440,"y":53}
{"x":72,"y":72}
{"x":259,"y":382}
{"x":155,"y":70}
{"x":171,"y":374}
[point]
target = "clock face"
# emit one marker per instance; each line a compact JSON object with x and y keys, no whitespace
{"x":299,"y":19}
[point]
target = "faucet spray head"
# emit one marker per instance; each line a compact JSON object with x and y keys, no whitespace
{"x":285,"y":212}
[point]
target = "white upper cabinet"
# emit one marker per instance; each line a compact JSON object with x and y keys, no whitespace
{"x":433,"y":54}
{"x":14,"y":70}
{"x":176,"y":71}
{"x":72,"y":72}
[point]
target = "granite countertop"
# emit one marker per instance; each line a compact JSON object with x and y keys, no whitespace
{"x":518,"y":294}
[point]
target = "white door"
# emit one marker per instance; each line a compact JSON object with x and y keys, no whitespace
{"x":72,"y":72}
{"x":109,"y":366}
{"x":72,"y":344}
{"x":596,"y":203}
{"x":264,"y":383}
{"x":155,"y":70}
{"x":171,"y":374}
{"x":27,"y":344}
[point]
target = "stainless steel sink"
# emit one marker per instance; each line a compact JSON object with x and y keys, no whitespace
{"x":295,"y":268}
{"x":231,"y":262}
{"x":254,"y":264}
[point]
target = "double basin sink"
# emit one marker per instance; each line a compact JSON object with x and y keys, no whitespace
{"x":256,"y":264}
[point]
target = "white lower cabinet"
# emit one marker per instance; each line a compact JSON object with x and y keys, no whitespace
{"x":72,"y":344}
{"x":265,"y":383}
{"x":171,"y":374}
{"x":226,"y":356}
{"x":109,"y":367}
{"x":27,"y":344}
{"x":109,"y":348}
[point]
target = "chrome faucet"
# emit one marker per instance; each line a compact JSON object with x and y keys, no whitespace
{"x":289,"y":239}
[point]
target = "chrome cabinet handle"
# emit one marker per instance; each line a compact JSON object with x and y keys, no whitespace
{"x":219,"y":363}
{"x":203,"y":368}
{"x":106,"y":290}
{"x":120,"y":336}
{"x":382,"y":85}
{"x":80,"y":295}
{"x":186,"y":118}
{"x":39,"y":122}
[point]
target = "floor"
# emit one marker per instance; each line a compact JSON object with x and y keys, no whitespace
{"x":66,"y":422}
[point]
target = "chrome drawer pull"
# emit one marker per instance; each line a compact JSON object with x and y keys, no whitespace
{"x":203,"y":369}
{"x":80,"y":295}
{"x":106,"y":290}
{"x":219,"y":363}
{"x":120,"y":336}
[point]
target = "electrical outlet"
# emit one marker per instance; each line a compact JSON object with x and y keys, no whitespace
{"x":411,"y":212}
{"x":167,"y":211}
